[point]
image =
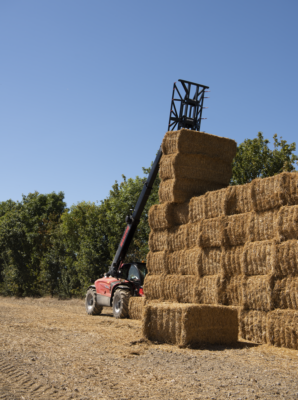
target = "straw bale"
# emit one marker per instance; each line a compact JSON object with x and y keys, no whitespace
{"x":177,"y":238}
{"x":287,"y":223}
{"x":182,"y":190}
{"x":195,"y":166}
{"x":193,"y":232}
{"x":269,"y":193}
{"x":233,"y":290}
{"x":282,"y":328}
{"x":287,"y":255}
{"x":235,"y":232}
{"x":186,"y":141}
{"x":179,"y":288}
{"x":292,"y":197}
{"x":211,"y":234}
{"x":163,"y":216}
{"x":154,"y":287}
{"x":209,"y":290}
{"x":262,"y":226}
{"x":253,"y":325}
{"x":190,"y":325}
{"x":136,"y":307}
{"x":258,"y":292}
{"x":230,"y":263}
{"x":210,"y":261}
{"x":159,"y":240}
{"x":239,"y":200}
{"x":184,"y":262}
{"x":157,"y":263}
{"x":259,"y":258}
{"x":211,"y":205}
{"x":285,"y":293}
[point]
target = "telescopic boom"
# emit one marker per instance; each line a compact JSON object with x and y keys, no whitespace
{"x":189,"y":117}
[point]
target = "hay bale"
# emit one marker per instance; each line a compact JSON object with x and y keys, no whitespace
{"x":292,"y":194}
{"x":235,"y":232}
{"x":190,"y":325}
{"x":210,"y":261}
{"x":179,"y":288}
{"x":253,"y":325}
{"x":230,"y":262}
{"x":285,"y":293}
{"x":287,"y":258}
{"x":233,"y":290}
{"x":282,"y":328}
{"x":157,"y":263}
{"x":258,"y":292}
{"x":195,"y":166}
{"x":184,"y":262}
{"x":211,"y":232}
{"x":193,"y":232}
{"x":154,"y":287}
{"x":239,"y":200}
{"x":159,"y":240}
{"x":163,"y":216}
{"x":287,"y":223}
{"x":259,"y":258}
{"x":182,"y":190}
{"x":209,"y":290}
{"x":210,"y":205}
{"x":270,"y":193}
{"x":186,"y":141}
{"x":136,"y":307}
{"x":177,"y":237}
{"x":262,"y":226}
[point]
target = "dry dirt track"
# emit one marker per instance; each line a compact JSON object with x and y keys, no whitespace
{"x":51,"y":349}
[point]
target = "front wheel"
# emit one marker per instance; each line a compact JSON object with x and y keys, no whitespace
{"x":120,"y":303}
{"x":92,"y":307}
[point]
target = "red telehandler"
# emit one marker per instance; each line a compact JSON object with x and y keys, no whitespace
{"x":124,"y":280}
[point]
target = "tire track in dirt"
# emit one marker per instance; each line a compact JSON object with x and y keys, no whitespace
{"x":21,"y":385}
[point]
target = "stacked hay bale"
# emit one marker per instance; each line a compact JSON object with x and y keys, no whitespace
{"x":180,"y":269}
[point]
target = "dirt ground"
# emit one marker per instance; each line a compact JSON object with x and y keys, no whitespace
{"x":51,"y":349}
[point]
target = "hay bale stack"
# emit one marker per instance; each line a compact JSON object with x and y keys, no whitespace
{"x":258,"y":292}
{"x":282,"y":328}
{"x":177,"y":237}
{"x":191,"y":166}
{"x":253,"y":325}
{"x":239,"y":200}
{"x":136,"y":307}
{"x":210,"y":205}
{"x":287,"y":223}
{"x":230,"y":262}
{"x":159,"y":240}
{"x":235,"y":231}
{"x":259,"y":258}
{"x":287,"y":258}
{"x":190,"y":325}
{"x":154,"y":287}
{"x":292,"y":197}
{"x":167,"y":215}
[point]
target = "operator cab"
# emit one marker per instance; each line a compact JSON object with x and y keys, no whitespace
{"x":133,"y":272}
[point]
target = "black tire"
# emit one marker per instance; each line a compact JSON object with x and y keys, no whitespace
{"x":91,"y":305}
{"x":120,"y":303}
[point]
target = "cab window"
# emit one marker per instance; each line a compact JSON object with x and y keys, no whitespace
{"x":133,"y":274}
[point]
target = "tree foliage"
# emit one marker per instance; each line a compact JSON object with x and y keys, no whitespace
{"x":254,"y":159}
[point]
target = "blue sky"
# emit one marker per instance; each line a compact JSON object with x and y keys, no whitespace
{"x":85,"y":86}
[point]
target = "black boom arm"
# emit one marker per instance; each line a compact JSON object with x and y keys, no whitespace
{"x":189,"y":117}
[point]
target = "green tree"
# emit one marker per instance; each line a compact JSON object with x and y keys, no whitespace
{"x":254,"y":159}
